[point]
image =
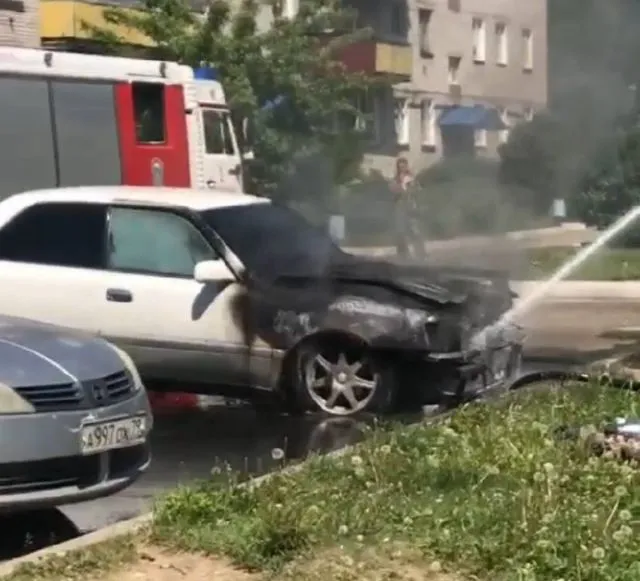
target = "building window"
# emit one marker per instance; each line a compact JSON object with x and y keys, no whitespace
{"x":527,"y":49}
{"x":428,"y":123}
{"x":480,"y":138}
{"x":290,"y":8}
{"x":454,"y":70}
{"x":401,"y":110}
{"x":503,"y":135}
{"x":398,"y":26}
{"x":479,"y":40}
{"x":502,"y":44}
{"x":366,"y":122}
{"x":424,"y":17}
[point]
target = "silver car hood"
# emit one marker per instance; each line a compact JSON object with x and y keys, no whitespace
{"x":34,"y":353}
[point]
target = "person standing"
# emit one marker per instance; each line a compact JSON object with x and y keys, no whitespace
{"x":408,"y":239}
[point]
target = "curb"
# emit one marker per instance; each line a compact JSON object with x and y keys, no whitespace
{"x":119,"y":529}
{"x":569,"y":234}
{"x":587,"y":290}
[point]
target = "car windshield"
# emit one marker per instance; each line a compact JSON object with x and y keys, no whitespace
{"x":272,"y":240}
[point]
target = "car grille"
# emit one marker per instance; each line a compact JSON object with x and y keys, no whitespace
{"x":61,"y":396}
{"x":119,"y":385}
{"x":98,"y":392}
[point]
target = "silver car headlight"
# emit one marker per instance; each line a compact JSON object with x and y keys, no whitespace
{"x":130,"y":366}
{"x":12,"y":403}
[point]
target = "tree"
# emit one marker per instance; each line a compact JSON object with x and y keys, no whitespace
{"x":612,"y":187}
{"x":287,"y":80}
{"x":592,"y":72}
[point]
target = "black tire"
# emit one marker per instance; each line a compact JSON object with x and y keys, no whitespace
{"x":379,"y":399}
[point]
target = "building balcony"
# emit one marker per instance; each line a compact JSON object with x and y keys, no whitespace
{"x":65,"y":21}
{"x":379,"y":58}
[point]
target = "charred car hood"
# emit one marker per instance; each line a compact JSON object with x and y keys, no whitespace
{"x":442,"y":285}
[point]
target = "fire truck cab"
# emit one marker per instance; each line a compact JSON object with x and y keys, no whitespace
{"x":72,"y":119}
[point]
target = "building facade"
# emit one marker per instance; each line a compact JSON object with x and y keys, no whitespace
{"x":478,"y":68}
{"x":19,"y":23}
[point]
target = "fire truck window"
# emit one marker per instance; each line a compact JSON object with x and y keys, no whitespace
{"x":26,"y":140}
{"x":217,"y":132}
{"x":87,"y":133}
{"x":56,"y":234}
{"x":148,"y":109}
{"x":155,"y":242}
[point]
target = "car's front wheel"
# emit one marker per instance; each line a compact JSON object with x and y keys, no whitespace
{"x":340,"y":376}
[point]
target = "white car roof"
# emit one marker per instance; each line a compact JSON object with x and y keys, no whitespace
{"x":155,"y":196}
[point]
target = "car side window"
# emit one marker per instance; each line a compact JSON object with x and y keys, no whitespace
{"x":155,"y":242}
{"x":56,"y":233}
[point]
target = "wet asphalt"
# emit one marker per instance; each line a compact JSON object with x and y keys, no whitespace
{"x":189,"y":445}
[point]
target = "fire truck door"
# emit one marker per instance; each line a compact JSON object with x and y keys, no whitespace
{"x":222,"y":166}
{"x":153,"y":134}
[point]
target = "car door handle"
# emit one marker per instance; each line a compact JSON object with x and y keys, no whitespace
{"x":119,"y":295}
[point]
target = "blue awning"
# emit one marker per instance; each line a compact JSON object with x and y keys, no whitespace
{"x":474,"y":117}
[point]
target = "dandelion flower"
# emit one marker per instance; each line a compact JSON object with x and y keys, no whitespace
{"x":435,"y":567}
{"x":343,"y":529}
{"x":625,"y":530}
{"x":620,"y":491}
{"x":356,"y":460}
{"x":277,"y":453}
{"x":618,"y":536}
{"x":538,"y":477}
{"x":548,"y":467}
{"x":360,"y":538}
{"x":385,"y":449}
{"x":598,"y":553}
{"x":624,"y":515}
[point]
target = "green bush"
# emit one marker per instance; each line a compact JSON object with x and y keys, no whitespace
{"x":465,"y":196}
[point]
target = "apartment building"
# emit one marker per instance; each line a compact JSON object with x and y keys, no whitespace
{"x":478,"y":68}
{"x":19,"y":23}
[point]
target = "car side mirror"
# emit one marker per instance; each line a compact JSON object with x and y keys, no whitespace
{"x":211,"y":271}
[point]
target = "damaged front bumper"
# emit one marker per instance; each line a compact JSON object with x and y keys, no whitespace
{"x":491,"y":360}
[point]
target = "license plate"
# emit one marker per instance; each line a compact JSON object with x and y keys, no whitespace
{"x":110,"y":435}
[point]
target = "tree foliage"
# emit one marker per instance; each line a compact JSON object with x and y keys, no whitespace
{"x":593,"y":70}
{"x":285,"y":78}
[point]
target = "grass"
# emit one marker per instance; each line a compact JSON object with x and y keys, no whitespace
{"x":490,"y":494}
{"x":80,"y":565}
{"x":609,"y":264}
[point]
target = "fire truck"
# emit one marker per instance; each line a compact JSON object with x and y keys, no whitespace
{"x":73,"y":119}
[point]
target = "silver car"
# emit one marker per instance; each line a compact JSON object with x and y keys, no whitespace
{"x":74,"y":417}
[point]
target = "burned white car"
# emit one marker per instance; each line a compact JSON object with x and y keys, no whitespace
{"x":229,"y":294}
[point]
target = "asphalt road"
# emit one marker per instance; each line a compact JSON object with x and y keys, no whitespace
{"x":189,"y":446}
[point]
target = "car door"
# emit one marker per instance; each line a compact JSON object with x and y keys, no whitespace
{"x":175,"y":328}
{"x":51,"y":256}
{"x":221,"y":157}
